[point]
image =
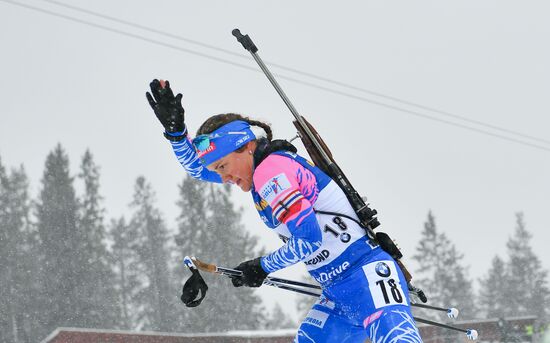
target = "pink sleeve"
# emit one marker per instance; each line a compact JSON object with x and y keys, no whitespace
{"x":283,"y":183}
{"x":290,"y":189}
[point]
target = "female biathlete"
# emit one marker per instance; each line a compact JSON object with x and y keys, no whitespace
{"x":363,"y":288}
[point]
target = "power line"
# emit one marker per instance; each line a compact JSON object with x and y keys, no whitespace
{"x":143,"y":27}
{"x":152,"y":41}
{"x":300,"y":72}
{"x":128,"y":34}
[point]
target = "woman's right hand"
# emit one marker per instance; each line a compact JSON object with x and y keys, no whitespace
{"x":166,"y":106}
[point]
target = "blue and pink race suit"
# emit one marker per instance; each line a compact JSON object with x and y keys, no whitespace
{"x":364,"y":291}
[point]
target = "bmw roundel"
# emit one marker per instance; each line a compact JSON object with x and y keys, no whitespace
{"x":382,"y":269}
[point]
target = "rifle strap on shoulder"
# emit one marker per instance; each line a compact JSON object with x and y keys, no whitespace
{"x":265,"y":147}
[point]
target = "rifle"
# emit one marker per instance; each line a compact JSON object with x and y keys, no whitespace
{"x":322,"y":157}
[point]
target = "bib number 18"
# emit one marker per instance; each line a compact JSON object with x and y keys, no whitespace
{"x":384,"y":284}
{"x":395,"y":292}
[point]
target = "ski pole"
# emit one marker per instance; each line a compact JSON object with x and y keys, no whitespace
{"x":294,"y":283}
{"x":212,"y":268}
{"x":451,"y":311}
{"x":288,"y":284}
{"x":293,"y":286}
{"x":470,"y":333}
{"x":195,"y":264}
{"x":290,"y":288}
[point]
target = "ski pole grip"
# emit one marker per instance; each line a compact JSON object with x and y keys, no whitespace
{"x":245,"y":40}
{"x":188,"y":261}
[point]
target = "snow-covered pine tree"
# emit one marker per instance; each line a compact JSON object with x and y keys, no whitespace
{"x":157,"y":294}
{"x":8,"y":326}
{"x":190,"y":234}
{"x":527,"y":282}
{"x":192,"y":221}
{"x":125,"y":266}
{"x":28,"y":266}
{"x":493,"y":294}
{"x":60,"y":299}
{"x":440,"y":273}
{"x":233,"y":244}
{"x":210,"y":228}
{"x":96,"y":282}
{"x":18,"y":270}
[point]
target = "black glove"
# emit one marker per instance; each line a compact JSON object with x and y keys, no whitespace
{"x":191,"y":289}
{"x":167,"y":107}
{"x":253,"y":274}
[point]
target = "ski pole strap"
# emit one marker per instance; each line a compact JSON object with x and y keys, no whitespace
{"x":207,"y":267}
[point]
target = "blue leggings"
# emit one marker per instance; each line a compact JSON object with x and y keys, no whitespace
{"x":369,"y":303}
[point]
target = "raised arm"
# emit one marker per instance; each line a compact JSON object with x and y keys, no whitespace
{"x":170,"y":113}
{"x":189,"y":159}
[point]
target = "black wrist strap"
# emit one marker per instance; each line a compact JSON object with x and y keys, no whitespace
{"x":175,"y":138}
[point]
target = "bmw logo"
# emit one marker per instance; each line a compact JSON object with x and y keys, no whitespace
{"x":382,"y":269}
{"x":345,"y":237}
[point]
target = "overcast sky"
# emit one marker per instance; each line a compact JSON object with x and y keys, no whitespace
{"x":83,"y":86}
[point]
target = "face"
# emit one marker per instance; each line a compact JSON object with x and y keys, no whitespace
{"x":236,"y":168}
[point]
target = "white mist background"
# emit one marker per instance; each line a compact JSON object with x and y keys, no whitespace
{"x":83,"y":87}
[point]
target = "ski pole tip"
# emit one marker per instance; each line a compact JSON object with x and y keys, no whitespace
{"x":452,"y":313}
{"x":471,"y":334}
